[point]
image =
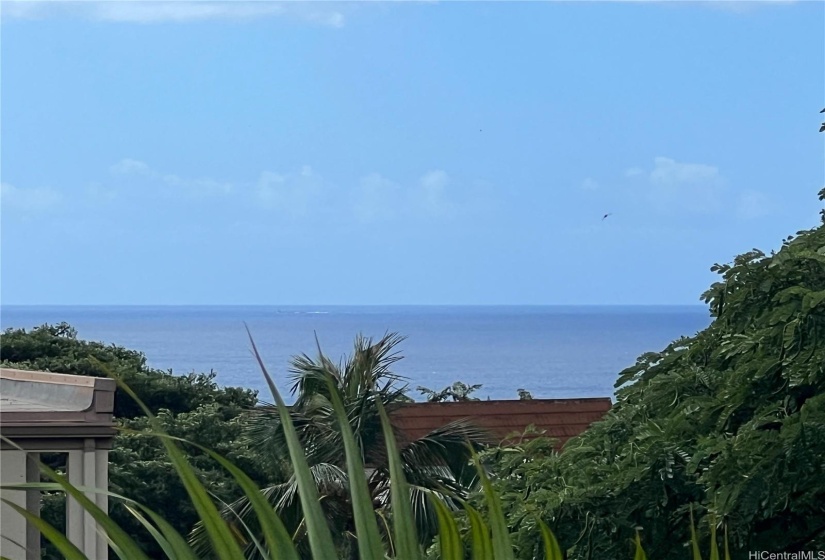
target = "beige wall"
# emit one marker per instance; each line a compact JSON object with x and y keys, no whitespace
{"x":13,"y":540}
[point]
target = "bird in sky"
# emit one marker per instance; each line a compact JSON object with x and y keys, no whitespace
{"x":606,"y":215}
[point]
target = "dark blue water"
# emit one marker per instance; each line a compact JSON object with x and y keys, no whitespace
{"x":553,"y":352}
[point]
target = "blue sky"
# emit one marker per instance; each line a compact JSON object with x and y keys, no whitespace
{"x":402,"y":153}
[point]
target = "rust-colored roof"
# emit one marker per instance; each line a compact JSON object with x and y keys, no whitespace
{"x":561,"y":419}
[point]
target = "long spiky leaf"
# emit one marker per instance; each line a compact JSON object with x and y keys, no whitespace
{"x":406,"y":540}
{"x":169,"y":539}
{"x":481,"y":543}
{"x":502,"y":546}
{"x":640,"y":552}
{"x":552,"y":550}
{"x":121,"y":542}
{"x":58,"y":539}
{"x":277,"y":537}
{"x":223,"y":541}
{"x":694,"y":539}
{"x":448,"y":535}
{"x":369,"y":539}
{"x":714,"y":546}
{"x":320,"y":538}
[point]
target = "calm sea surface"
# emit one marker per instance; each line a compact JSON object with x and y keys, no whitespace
{"x":553,"y":351}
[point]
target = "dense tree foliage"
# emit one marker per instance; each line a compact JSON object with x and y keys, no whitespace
{"x":190,"y":406}
{"x":730,"y":421}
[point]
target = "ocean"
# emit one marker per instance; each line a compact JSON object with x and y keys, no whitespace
{"x":551,"y":351}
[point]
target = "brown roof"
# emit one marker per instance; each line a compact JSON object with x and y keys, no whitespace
{"x":561,"y":419}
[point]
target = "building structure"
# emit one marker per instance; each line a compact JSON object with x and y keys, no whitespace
{"x":43,"y":412}
{"x":504,"y":420}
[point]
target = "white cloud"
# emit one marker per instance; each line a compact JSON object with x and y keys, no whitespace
{"x":130,"y":167}
{"x":98,"y":192}
{"x":742,"y":6}
{"x":198,"y":186}
{"x":753,"y":204}
{"x":295,"y":194}
{"x":194,"y":186}
{"x":173,"y":11}
{"x":328,"y":18}
{"x":432,"y":188}
{"x":28,"y":200}
{"x":670,"y":172}
{"x":679,"y":186}
{"x":590,"y":184}
{"x":156,"y":12}
{"x":736,"y":6}
{"x":303,"y":193}
{"x":376,"y":198}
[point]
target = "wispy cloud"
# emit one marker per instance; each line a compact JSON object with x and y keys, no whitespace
{"x":679,"y":186}
{"x":433,"y":191}
{"x":296,"y":194}
{"x":194,"y":186}
{"x":376,"y":198}
{"x":674,"y":187}
{"x":100,"y":193}
{"x":299,"y":194}
{"x":738,"y":6}
{"x":131,"y":167}
{"x":668,"y":172}
{"x":590,"y":184}
{"x":752,"y":205}
{"x":28,"y":200}
{"x":744,"y":6}
{"x":129,"y":11}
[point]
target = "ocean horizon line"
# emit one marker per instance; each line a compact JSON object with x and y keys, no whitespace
{"x":354,"y":305}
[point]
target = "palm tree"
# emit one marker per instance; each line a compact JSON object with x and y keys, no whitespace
{"x":438,"y":464}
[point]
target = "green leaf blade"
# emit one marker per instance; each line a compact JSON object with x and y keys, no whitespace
{"x":318,"y":533}
{"x":370,"y":546}
{"x":406,"y":539}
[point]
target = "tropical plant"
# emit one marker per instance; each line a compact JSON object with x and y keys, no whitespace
{"x":378,"y":537}
{"x":457,"y":392}
{"x":436,"y":465}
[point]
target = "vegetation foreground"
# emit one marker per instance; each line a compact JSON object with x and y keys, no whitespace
{"x":226,"y":537}
{"x":727,"y":426}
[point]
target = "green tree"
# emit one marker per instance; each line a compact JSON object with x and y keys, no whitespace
{"x":731,"y":421}
{"x":438,"y":464}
